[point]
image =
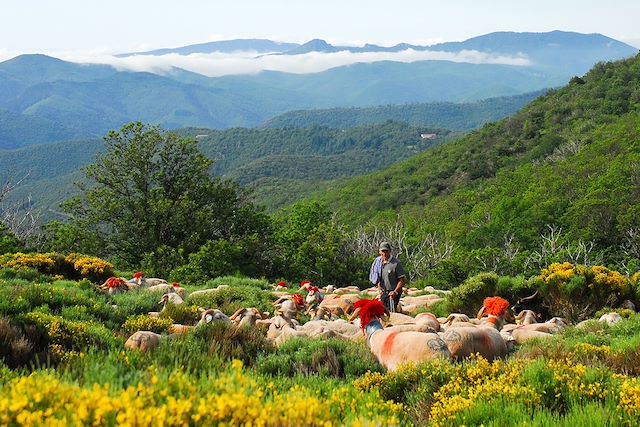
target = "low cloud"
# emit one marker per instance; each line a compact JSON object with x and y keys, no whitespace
{"x":221,"y":64}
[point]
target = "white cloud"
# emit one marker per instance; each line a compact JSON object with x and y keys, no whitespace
{"x":221,"y":64}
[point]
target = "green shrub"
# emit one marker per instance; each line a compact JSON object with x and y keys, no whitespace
{"x":468,"y":297}
{"x":333,"y":357}
{"x":27,"y":274}
{"x":227,"y":342}
{"x":183,"y":314}
{"x":134,"y":302}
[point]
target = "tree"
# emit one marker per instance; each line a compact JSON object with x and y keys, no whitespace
{"x":314,"y":246}
{"x":151,"y":191}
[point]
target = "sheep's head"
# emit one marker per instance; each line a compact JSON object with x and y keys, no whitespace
{"x":305,"y":284}
{"x":297,"y":298}
{"x":313,"y":297}
{"x":114,"y":285}
{"x":369,"y":310}
{"x":138,"y":276}
{"x":495,"y":306}
{"x":280,"y":285}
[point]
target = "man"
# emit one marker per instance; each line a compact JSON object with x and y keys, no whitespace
{"x":388,"y":274}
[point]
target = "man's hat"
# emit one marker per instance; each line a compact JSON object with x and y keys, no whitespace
{"x":385,"y":246}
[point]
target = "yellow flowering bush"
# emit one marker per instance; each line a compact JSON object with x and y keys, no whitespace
{"x":579,"y":380}
{"x":562,"y":272}
{"x":147,"y":323}
{"x":629,"y":397}
{"x":44,"y":263}
{"x":232,"y":398}
{"x":571,"y":290}
{"x":60,"y":331}
{"x":590,"y":350}
{"x":89,"y":267}
{"x":480,"y":381}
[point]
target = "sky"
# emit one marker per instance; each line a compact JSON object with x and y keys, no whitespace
{"x":94,"y":30}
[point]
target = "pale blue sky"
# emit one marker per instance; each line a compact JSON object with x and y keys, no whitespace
{"x":108,"y":26}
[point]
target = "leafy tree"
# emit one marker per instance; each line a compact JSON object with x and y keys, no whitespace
{"x":313,"y":246}
{"x":150,"y":191}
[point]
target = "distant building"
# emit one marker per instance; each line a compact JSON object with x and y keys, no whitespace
{"x":428,"y":135}
{"x":202,"y":136}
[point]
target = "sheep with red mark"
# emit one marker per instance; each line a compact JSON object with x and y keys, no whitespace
{"x":393,"y":348}
{"x":485,"y":339}
{"x":115,"y":285}
{"x":141,"y":281}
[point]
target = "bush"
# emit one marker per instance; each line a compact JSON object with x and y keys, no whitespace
{"x":15,"y":349}
{"x":333,"y":357}
{"x":468,"y":297}
{"x":73,"y":266}
{"x":27,"y":274}
{"x":227,"y":341}
{"x":577,"y":292}
{"x":181,"y":313}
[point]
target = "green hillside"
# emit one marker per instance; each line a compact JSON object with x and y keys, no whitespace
{"x":278,"y":166}
{"x":448,"y":115}
{"x":566,"y":163}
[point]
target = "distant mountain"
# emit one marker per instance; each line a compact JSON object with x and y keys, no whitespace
{"x":20,"y":130}
{"x":88,"y":100}
{"x":559,"y":50}
{"x":225,"y":46}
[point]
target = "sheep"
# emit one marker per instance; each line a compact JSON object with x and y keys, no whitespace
{"x":527,"y":317}
{"x":347,"y":290}
{"x":610,"y":318}
{"x":289,"y":307}
{"x":247,"y":316}
{"x":211,"y":315}
{"x":115,"y":285}
{"x":465,"y":341}
{"x":280,"y":286}
{"x":497,"y":309}
{"x":144,"y":282}
{"x":484,"y":339}
{"x":522,"y":334}
{"x":392,"y":347}
{"x":340,"y":305}
{"x":143,"y":341}
{"x":170,"y":298}
{"x":206,"y":292}
{"x":411,"y":304}
{"x":455,"y":318}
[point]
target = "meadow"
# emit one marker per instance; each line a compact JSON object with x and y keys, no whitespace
{"x":63,"y":362}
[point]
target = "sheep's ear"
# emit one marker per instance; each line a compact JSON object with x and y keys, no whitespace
{"x":201,"y":310}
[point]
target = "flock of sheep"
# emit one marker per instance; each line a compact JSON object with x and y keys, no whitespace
{"x":349,"y":313}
